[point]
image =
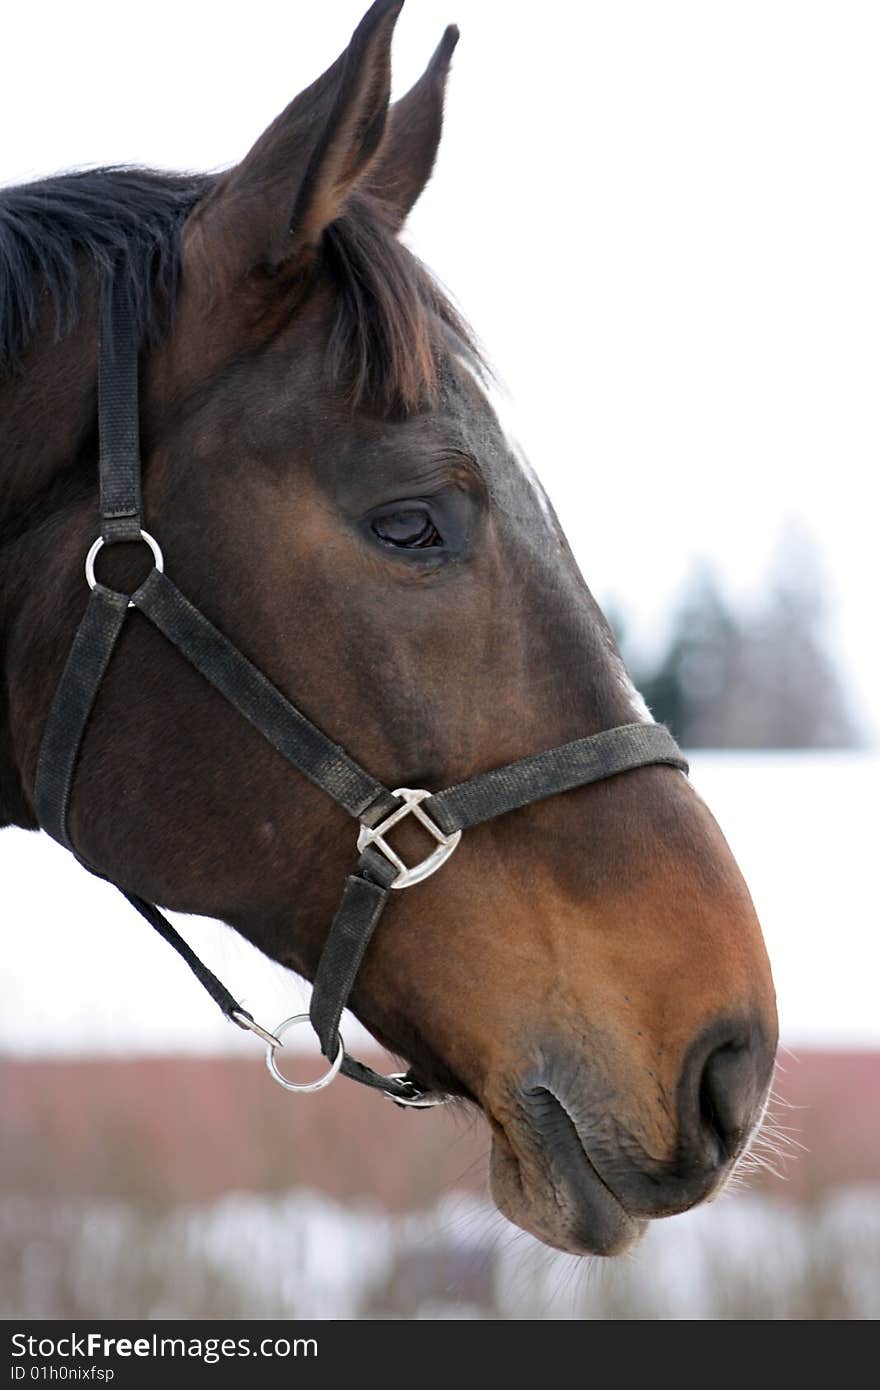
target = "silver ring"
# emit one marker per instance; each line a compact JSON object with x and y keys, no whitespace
{"x":275,"y":1074}
{"x":158,"y":558}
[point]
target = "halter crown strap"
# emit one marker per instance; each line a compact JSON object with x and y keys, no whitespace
{"x":379,"y":869}
{"x":119,"y":463}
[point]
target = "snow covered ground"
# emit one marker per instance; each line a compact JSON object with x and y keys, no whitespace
{"x":300,"y":1255}
{"x":83,"y":973}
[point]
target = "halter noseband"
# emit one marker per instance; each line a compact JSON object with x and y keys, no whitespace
{"x":444,"y":815}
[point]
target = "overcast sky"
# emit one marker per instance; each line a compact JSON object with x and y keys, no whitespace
{"x":663,"y":220}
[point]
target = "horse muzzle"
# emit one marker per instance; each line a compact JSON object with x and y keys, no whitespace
{"x":570,"y":1162}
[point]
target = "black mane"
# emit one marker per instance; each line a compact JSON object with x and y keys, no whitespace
{"x":127,"y":222}
{"x":123,"y":220}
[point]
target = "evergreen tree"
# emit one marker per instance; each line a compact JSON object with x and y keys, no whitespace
{"x":688,"y":690}
{"x":754,"y":680}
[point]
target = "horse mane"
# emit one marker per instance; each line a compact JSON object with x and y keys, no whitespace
{"x":127,"y":222}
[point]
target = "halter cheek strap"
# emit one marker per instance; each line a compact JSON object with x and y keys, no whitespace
{"x":379,"y":869}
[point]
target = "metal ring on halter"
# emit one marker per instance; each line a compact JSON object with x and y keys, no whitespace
{"x":305,"y":1087}
{"x":158,"y":558}
{"x":423,"y":1100}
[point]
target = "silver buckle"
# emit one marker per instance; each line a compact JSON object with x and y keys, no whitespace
{"x":419,"y":1100}
{"x":406,"y":877}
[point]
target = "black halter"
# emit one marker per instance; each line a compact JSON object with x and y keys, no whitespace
{"x":444,"y":815}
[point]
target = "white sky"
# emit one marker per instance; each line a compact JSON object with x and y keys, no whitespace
{"x":663,"y":221}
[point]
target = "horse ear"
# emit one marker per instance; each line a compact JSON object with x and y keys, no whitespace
{"x":403,"y":166}
{"x":272,"y":208}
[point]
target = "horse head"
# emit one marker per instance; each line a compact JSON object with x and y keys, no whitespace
{"x":333,"y":488}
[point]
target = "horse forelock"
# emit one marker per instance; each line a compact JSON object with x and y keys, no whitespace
{"x":127,"y":222}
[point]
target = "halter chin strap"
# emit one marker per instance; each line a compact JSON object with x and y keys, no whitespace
{"x":377,"y":809}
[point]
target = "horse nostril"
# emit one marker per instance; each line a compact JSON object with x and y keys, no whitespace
{"x":723,"y":1086}
{"x":725,"y":1098}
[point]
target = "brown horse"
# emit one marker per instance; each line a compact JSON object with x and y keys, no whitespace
{"x":332,"y":487}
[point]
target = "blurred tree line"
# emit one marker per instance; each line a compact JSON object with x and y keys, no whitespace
{"x":760,"y":678}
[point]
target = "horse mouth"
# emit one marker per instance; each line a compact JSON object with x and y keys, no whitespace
{"x":544,"y":1180}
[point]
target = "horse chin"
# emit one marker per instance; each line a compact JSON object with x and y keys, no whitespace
{"x":565,"y":1203}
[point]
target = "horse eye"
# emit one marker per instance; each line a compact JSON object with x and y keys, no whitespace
{"x":411,"y":528}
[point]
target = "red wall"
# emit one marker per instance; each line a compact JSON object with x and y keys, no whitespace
{"x":182,"y":1129}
